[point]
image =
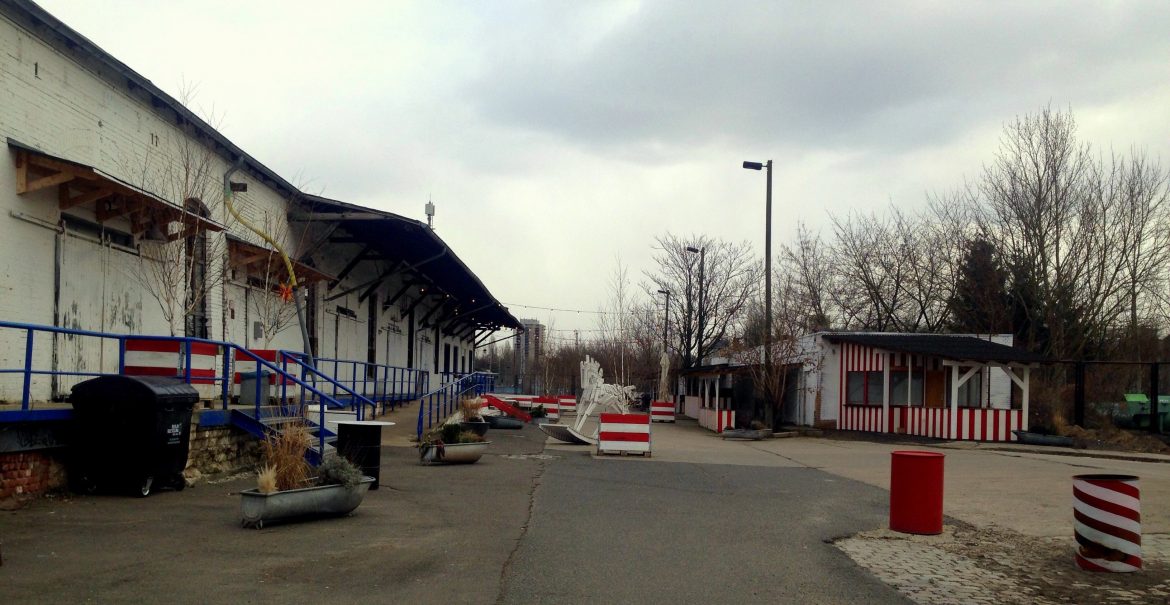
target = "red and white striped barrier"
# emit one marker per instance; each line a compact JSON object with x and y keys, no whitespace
{"x":716,"y":420}
{"x":568,"y":403}
{"x":661,"y":411}
{"x":1108,"y":522}
{"x":552,"y":408}
{"x":165,"y":358}
{"x":620,"y":433}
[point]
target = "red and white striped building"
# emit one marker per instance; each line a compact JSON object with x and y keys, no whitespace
{"x":962,"y":387}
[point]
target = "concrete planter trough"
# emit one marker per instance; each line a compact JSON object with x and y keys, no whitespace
{"x":455,"y":453}
{"x":321,"y":501}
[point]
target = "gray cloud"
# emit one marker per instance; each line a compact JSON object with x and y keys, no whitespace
{"x":829,"y":75}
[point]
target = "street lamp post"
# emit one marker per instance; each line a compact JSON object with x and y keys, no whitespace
{"x":767,"y":287}
{"x":702,"y":261}
{"x":666,"y":322}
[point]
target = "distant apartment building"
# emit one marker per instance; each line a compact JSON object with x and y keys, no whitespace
{"x":528,"y":349}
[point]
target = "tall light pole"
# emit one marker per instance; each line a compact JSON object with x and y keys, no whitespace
{"x":666,"y":322}
{"x":699,"y":341}
{"x":767,"y":289}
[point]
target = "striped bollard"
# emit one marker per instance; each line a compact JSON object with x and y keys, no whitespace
{"x":1108,"y":522}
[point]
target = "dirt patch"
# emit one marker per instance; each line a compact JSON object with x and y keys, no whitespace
{"x":1111,"y":438}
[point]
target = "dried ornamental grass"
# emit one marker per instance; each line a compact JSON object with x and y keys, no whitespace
{"x":285,"y":453}
{"x":266,"y":480}
{"x":470,"y":407}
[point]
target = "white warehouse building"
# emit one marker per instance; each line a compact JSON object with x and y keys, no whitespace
{"x":115,"y":219}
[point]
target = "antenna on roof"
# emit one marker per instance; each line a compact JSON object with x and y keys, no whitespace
{"x":430,"y":209}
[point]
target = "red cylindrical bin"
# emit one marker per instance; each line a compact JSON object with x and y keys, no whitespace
{"x":916,"y":492}
{"x":1107,"y":517}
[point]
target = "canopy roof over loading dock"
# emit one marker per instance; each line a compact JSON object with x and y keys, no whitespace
{"x":411,"y":261}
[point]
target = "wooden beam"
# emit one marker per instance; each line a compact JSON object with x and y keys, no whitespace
{"x":21,"y":172}
{"x":387,"y":274}
{"x":365,"y":284}
{"x":185,"y":232}
{"x":446,"y":314}
{"x":113,"y":208}
{"x":414,"y":304}
{"x":423,"y":321}
{"x":245,"y":261}
{"x":393,"y":299}
{"x":65,"y":201}
{"x":349,"y":267}
{"x":43,"y":182}
{"x":63,"y":166}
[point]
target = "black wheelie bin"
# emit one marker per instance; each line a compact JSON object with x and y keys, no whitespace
{"x":130,"y":433}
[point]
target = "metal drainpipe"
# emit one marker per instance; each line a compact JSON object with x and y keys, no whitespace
{"x":58,"y":252}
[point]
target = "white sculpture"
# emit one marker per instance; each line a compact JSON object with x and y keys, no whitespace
{"x":664,"y":379}
{"x":594,"y":392}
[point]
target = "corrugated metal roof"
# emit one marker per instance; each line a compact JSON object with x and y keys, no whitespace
{"x":958,"y":348}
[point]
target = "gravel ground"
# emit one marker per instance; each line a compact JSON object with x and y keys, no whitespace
{"x":971,"y":565}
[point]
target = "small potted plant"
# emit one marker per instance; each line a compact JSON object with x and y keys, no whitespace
{"x":288,"y":488}
{"x":450,"y":444}
{"x":472,"y":420}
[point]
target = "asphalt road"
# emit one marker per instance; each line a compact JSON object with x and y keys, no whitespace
{"x":633,"y":531}
{"x":523,"y":525}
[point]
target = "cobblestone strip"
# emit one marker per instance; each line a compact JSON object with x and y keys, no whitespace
{"x":930,"y":575}
{"x":969,"y":565}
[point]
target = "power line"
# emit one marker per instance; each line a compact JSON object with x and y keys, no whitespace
{"x":570,"y":310}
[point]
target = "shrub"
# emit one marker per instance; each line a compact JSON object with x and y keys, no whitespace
{"x":337,"y":470}
{"x":468,"y":437}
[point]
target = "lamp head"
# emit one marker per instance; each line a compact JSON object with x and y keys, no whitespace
{"x":666,"y":292}
{"x":692,"y":249}
{"x":753,"y":165}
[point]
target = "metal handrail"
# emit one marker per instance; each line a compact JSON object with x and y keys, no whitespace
{"x":385,"y":386}
{"x":185,"y":341}
{"x":442,"y":400}
{"x":285,"y":356}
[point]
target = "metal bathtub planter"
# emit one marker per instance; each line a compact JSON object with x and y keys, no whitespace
{"x":1038,"y":439}
{"x":324,"y":500}
{"x":455,"y":453}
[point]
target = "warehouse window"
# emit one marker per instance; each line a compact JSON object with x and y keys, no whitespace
{"x":196,"y":268}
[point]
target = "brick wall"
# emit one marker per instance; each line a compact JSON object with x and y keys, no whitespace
{"x":215,"y":450}
{"x":24,"y":475}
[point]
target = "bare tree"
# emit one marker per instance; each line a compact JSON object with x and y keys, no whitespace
{"x":267,"y":276}
{"x":730,"y":280}
{"x":181,"y":267}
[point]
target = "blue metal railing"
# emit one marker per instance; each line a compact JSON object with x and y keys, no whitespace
{"x":226,"y":350}
{"x":441,"y":402}
{"x":372,"y":383}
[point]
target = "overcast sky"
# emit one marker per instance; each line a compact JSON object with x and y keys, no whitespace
{"x":555,"y":137}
